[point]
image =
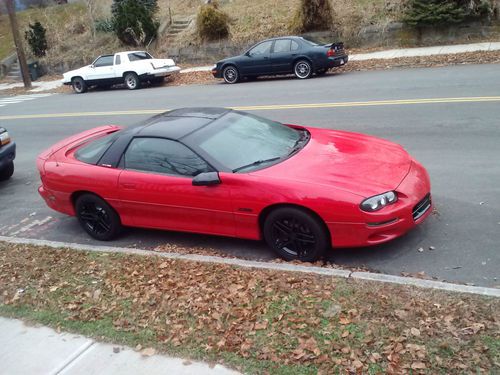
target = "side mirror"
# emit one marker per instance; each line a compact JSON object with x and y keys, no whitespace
{"x":206,"y":179}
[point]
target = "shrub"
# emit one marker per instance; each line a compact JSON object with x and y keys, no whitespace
{"x":438,"y":12}
{"x":134,"y":21}
{"x":36,"y":39}
{"x":104,"y":25}
{"x":212,"y":23}
{"x":312,"y":15}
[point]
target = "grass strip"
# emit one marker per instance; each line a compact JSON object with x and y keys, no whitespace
{"x":256,"y":321}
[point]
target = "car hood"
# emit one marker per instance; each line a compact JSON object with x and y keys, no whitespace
{"x":358,"y":163}
{"x":76,"y":72}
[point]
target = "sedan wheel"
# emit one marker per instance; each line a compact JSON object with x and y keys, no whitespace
{"x":97,"y":217}
{"x":79,"y":85}
{"x":132,"y":81}
{"x":7,"y":172}
{"x":230,"y":74}
{"x":295,"y":235}
{"x":303,"y":69}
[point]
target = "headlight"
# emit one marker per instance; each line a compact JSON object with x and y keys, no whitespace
{"x":378,"y":201}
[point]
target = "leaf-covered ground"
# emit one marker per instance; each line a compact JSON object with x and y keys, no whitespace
{"x":253,"y":320}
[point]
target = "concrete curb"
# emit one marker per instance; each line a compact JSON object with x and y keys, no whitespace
{"x":285,"y":267}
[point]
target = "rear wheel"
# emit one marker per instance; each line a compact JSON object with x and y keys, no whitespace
{"x":97,"y":217}
{"x":7,"y":172}
{"x":230,"y":74}
{"x":79,"y":85}
{"x":132,"y":81}
{"x":295,"y":234}
{"x":302,"y":69}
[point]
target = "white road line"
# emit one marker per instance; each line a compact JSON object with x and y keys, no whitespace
{"x":21,"y":98}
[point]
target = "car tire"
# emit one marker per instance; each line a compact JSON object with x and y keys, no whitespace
{"x":302,"y":69}
{"x":97,"y":217}
{"x":295,"y":234}
{"x":7,"y":172}
{"x":230,"y":74}
{"x":79,"y":85}
{"x":132,"y":81}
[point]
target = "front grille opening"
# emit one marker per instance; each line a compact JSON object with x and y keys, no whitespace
{"x":422,"y":207}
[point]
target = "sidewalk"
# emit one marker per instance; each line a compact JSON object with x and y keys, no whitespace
{"x":403,"y":52}
{"x":28,"y":350}
{"x":388,"y":54}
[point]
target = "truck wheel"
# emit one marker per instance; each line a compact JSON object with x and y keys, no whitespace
{"x":132,"y":81}
{"x":7,"y":172}
{"x":79,"y":85}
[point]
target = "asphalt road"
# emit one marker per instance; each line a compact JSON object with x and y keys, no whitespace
{"x":457,"y":140}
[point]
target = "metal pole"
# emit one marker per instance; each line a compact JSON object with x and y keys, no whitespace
{"x":19,"y":45}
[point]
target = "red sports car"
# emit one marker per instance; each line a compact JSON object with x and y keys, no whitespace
{"x":230,"y":173}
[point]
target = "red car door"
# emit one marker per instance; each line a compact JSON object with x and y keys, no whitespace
{"x":156,"y":190}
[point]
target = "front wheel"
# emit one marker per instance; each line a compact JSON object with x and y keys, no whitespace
{"x":79,"y":85}
{"x":230,"y":74}
{"x":132,"y":81}
{"x":295,"y":234}
{"x":7,"y":172}
{"x":97,"y":217}
{"x":302,"y":69}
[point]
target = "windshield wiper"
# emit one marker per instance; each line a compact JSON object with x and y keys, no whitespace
{"x":298,"y":143}
{"x":258,"y":162}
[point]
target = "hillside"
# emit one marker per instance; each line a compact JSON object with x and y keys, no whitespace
{"x":358,"y":22}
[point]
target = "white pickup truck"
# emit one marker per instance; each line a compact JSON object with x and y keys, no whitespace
{"x":131,"y":68}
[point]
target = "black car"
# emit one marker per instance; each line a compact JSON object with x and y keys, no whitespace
{"x":285,"y":55}
{"x":7,"y":155}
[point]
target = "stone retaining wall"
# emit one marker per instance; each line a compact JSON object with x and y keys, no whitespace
{"x":391,"y":35}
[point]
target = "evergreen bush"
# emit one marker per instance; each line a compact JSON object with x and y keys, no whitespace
{"x":37,"y":39}
{"x":134,"y":21}
{"x":212,"y":23}
{"x":312,"y":15}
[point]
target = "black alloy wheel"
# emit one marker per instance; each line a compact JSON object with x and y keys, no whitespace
{"x":97,"y":217}
{"x":230,"y":74}
{"x":295,"y":234}
{"x":79,"y":85}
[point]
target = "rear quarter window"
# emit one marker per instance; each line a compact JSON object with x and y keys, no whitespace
{"x":92,"y":152}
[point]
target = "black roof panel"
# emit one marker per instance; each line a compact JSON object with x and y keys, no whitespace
{"x":179,"y":122}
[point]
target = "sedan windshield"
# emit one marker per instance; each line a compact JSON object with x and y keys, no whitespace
{"x":243,"y":142}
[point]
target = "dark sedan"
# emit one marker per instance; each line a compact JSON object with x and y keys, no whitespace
{"x":286,"y":55}
{"x":7,"y":155}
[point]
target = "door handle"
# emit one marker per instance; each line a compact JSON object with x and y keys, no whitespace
{"x":128,"y":186}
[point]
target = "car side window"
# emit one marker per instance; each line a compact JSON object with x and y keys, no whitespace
{"x":281,"y":45}
{"x":261,"y":49}
{"x":104,"y":61}
{"x":118,"y":60}
{"x":294,"y":46}
{"x":163,"y":156}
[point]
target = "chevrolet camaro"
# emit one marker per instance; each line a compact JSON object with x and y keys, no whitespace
{"x":224,"y":172}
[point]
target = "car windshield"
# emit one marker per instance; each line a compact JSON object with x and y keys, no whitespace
{"x":92,"y":152}
{"x":139,"y":56}
{"x":243,"y":142}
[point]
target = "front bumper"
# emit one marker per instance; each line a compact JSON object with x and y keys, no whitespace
{"x":7,"y":154}
{"x":414,"y":205}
